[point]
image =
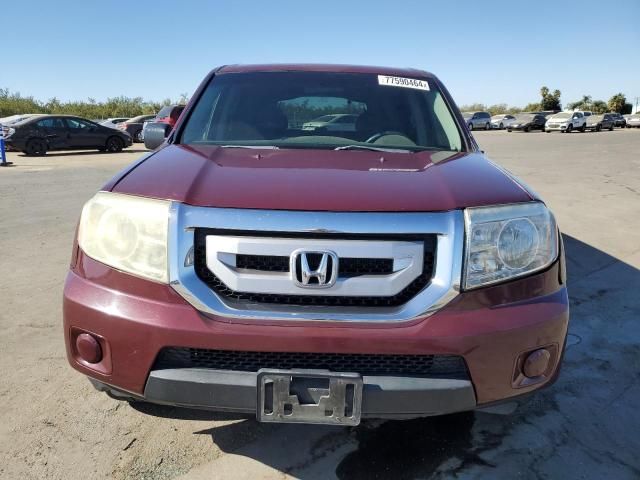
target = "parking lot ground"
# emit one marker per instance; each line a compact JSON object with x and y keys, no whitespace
{"x":54,"y":425}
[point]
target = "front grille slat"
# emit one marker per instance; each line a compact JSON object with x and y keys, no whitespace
{"x":449,"y":366}
{"x":347,"y":267}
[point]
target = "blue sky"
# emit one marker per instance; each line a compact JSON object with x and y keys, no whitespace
{"x":484,"y":51}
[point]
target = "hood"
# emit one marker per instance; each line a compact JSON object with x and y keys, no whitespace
{"x":321,"y":180}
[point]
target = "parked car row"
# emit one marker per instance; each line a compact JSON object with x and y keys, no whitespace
{"x":632,"y":121}
{"x":38,"y":134}
{"x":548,"y":121}
{"x":169,"y":115}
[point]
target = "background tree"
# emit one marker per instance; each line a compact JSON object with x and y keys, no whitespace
{"x":532,"y":107}
{"x":474,"y":107}
{"x":550,"y":101}
{"x":617,"y":102}
{"x":13,"y":103}
{"x":582,"y":104}
{"x":598,"y":106}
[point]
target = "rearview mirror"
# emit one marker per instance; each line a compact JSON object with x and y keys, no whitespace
{"x":155,"y":134}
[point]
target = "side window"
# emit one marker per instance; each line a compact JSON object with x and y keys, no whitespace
{"x":46,"y":123}
{"x":77,"y":124}
{"x":51,"y":123}
{"x":486,"y":115}
{"x":346,"y":119}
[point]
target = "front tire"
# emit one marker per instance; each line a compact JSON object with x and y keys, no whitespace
{"x":138,"y":136}
{"x":36,"y":147}
{"x":487,"y":126}
{"x":583,"y":128}
{"x":501,"y":126}
{"x":569,"y":128}
{"x":114,"y":145}
{"x":470,"y":127}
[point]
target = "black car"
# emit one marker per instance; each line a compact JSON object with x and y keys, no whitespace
{"x":619,"y":120}
{"x":134,"y":125}
{"x":600,"y":122}
{"x":528,"y":121}
{"x":40,"y":133}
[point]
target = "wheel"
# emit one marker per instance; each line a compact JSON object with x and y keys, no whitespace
{"x":470,"y":126}
{"x":36,"y":146}
{"x":487,"y":126}
{"x":114,"y":144}
{"x":598,"y":128}
{"x":569,"y":128}
{"x":138,"y":136}
{"x":525,"y":129}
{"x":583,"y":128}
{"x":509,"y":130}
{"x":611,"y":128}
{"x":548,"y":131}
{"x":501,"y":126}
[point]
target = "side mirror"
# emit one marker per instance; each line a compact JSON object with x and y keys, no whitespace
{"x":155,"y":134}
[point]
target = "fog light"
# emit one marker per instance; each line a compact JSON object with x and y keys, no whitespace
{"x":536,"y":363}
{"x":88,"y":348}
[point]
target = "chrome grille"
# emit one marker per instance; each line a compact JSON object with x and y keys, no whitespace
{"x":349,"y":267}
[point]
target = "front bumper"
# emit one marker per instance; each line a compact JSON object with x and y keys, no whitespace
{"x":491,"y":328}
{"x":555,"y":128}
{"x":383,"y":396}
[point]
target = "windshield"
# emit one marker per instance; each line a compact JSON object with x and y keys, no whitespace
{"x":524,"y":117}
{"x":563,"y":115}
{"x":271,"y":109}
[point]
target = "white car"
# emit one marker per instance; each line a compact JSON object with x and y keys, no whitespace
{"x":113,"y":122}
{"x":501,"y":122}
{"x":340,"y":122}
{"x":567,"y":122}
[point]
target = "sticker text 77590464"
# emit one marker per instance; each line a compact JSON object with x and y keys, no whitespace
{"x":390,"y":81}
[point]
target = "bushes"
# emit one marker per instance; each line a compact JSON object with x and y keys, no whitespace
{"x":12,"y":103}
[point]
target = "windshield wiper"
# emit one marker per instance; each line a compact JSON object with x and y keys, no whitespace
{"x":262,"y":147}
{"x":375,"y":149}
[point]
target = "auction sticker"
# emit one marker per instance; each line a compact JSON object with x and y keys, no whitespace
{"x":390,"y":81}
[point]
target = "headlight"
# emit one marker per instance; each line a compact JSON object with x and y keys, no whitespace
{"x":128,"y":233}
{"x":507,"y":241}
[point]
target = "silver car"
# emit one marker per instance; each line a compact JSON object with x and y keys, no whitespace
{"x":477,"y":120}
{"x":633,"y":121}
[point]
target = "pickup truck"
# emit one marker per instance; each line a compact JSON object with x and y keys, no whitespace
{"x":247,"y":264}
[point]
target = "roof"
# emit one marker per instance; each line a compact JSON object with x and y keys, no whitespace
{"x":322,"y":67}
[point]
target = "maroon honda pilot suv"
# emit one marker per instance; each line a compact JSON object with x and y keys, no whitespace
{"x":386,"y":269}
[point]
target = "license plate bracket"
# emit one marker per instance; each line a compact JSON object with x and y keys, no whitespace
{"x":309,"y":396}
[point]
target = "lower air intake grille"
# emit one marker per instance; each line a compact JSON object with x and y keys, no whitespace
{"x":449,"y":366}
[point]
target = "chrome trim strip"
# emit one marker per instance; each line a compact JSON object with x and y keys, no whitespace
{"x":445,"y":284}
